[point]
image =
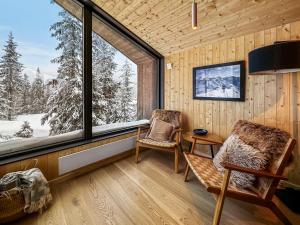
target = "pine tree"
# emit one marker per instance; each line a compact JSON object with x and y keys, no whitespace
{"x":126,"y":100}
{"x":3,"y":103}
{"x":25,"y":100}
{"x":26,"y":131}
{"x":65,"y":112}
{"x":38,"y":93}
{"x":10,"y":75}
{"x":105,"y":88}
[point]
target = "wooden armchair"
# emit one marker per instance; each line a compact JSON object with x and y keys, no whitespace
{"x":219,"y":185}
{"x":168,"y":116}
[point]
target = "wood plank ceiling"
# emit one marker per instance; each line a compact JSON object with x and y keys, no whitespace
{"x":166,"y":24}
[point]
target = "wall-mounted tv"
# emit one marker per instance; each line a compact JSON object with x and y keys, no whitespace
{"x":224,"y":82}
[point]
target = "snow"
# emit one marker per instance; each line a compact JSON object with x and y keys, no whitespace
{"x":40,"y":133}
{"x":118,"y":126}
{"x":9,"y":128}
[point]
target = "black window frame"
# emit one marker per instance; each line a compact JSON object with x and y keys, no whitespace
{"x":89,"y":8}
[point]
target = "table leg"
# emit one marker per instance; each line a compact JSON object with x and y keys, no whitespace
{"x":212,"y":151}
{"x":190,"y":146}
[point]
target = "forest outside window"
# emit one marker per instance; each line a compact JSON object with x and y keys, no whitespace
{"x":117,"y":81}
{"x":42,"y":82}
{"x":40,"y":75}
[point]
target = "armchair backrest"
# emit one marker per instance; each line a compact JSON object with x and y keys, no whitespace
{"x":169,"y":116}
{"x":275,"y":144}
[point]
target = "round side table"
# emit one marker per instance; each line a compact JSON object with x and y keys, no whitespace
{"x":208,"y":139}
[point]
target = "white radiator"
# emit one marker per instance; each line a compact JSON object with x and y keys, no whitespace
{"x":92,"y":155}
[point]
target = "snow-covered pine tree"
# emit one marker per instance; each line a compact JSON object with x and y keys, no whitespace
{"x":25,"y":100}
{"x":105,"y":88}
{"x":3,"y":102}
{"x":127,"y":106}
{"x":26,"y":131}
{"x":64,"y":111}
{"x":10,"y":75}
{"x":38,"y":93}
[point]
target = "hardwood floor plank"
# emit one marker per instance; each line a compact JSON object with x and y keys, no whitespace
{"x":185,"y":213}
{"x":74,"y":207}
{"x":144,"y":201}
{"x":150,"y":192}
{"x":99,"y":202}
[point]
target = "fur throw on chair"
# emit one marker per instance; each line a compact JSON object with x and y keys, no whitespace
{"x":253,"y":146}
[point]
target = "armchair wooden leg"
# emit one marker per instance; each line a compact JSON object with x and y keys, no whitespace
{"x":176,"y":159}
{"x":187,"y":170}
{"x":279,"y":214}
{"x":221,"y":198}
{"x":137,"y":151}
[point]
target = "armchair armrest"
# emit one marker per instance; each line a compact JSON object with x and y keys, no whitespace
{"x":258,"y":173}
{"x":178,"y":130}
{"x":178,"y":135}
{"x":140,"y":128}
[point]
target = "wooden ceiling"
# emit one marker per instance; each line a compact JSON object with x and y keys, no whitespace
{"x":166,"y":24}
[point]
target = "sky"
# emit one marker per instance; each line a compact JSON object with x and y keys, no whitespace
{"x":29,"y":21}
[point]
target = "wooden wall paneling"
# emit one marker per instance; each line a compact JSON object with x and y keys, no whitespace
{"x":196,"y":120}
{"x":181,"y":81}
{"x":147,"y":89}
{"x":186,"y":90}
{"x":259,"y":86}
{"x":208,"y":103}
{"x":40,"y":162}
{"x":172,"y":82}
{"x":167,"y":83}
{"x":177,"y":83}
{"x":270,"y":85}
{"x":12,"y":167}
{"x":201,"y":104}
{"x":223,"y":104}
{"x":283,"y":110}
{"x":239,"y":55}
{"x":270,"y":99}
{"x":248,"y":106}
{"x":52,"y":165}
{"x":216,"y":104}
{"x":190,"y":78}
{"x":295,"y":35}
{"x":48,"y":163}
{"x":231,"y":110}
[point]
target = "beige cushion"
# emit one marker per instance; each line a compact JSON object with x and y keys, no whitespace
{"x":150,"y":142}
{"x":160,"y":130}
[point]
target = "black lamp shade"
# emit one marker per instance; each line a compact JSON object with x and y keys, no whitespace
{"x":281,"y":57}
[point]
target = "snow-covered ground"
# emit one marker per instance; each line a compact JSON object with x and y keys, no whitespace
{"x":40,"y":137}
{"x":9,"y":128}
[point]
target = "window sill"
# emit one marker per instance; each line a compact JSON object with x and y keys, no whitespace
{"x":10,"y":156}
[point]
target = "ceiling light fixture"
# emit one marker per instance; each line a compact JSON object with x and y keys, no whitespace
{"x":194,"y":15}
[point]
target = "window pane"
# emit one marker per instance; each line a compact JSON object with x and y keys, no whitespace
{"x":124,"y":81}
{"x":40,"y":74}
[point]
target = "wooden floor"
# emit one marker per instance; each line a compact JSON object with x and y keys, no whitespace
{"x":145,"y":193}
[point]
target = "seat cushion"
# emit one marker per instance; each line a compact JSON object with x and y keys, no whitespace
{"x":151,"y":142}
{"x":209,"y":176}
{"x":160,"y":130}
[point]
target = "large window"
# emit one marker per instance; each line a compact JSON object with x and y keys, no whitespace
{"x":44,"y":99}
{"x":40,"y":74}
